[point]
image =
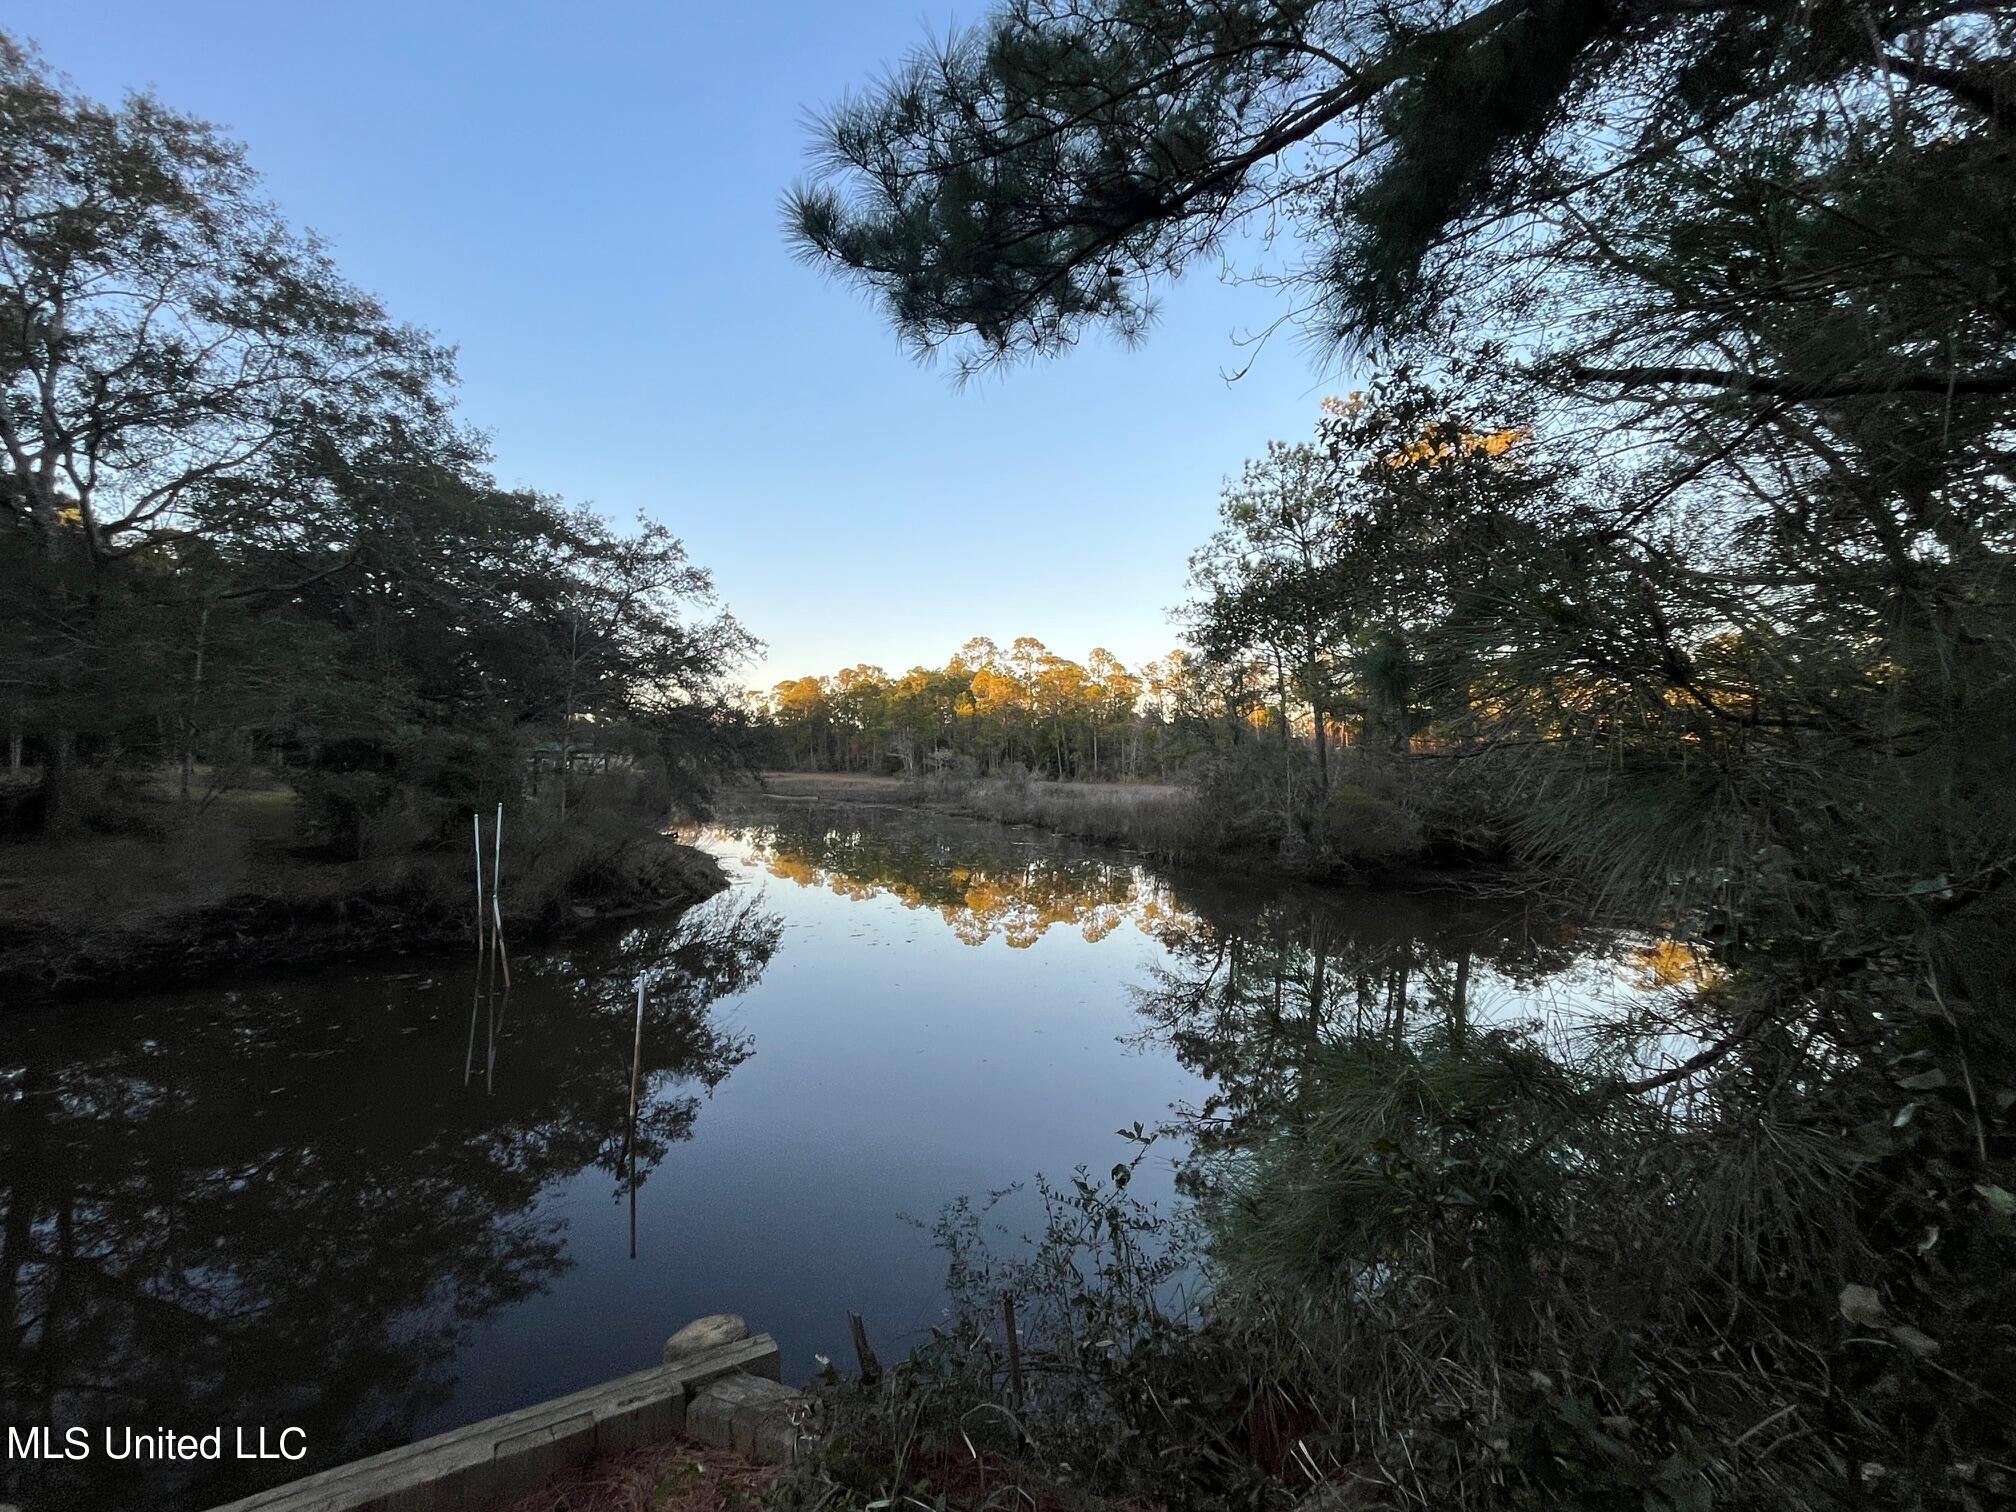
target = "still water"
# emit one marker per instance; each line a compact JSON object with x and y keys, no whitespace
{"x":373,"y":1203}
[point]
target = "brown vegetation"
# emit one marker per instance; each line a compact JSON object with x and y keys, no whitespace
{"x":674,"y":1477}
{"x":1156,"y":817}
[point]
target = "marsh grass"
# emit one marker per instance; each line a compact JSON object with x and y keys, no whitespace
{"x":1229,"y":813}
{"x":1163,"y":821}
{"x":1235,"y":809}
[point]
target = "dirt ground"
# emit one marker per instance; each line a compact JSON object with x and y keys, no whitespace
{"x":674,"y":1477}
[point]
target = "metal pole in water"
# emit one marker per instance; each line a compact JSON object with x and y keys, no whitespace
{"x":637,"y":1052}
{"x":475,"y":1002}
{"x":636,"y":1066}
{"x":476,"y":825}
{"x":503,"y":955}
{"x":496,"y":907}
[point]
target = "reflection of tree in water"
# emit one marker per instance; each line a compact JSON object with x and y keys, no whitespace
{"x":982,"y":891}
{"x":1257,"y":988}
{"x":283,"y":1206}
{"x":711,"y":953}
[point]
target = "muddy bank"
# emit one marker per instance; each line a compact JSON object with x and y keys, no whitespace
{"x":54,"y":943}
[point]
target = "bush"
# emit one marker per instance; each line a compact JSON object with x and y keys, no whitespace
{"x":346,"y":811}
{"x":608,"y":850}
{"x":105,"y":800}
{"x":1458,"y":1272}
{"x":1351,"y":824}
{"x":1246,"y":796}
{"x":1112,"y":1393}
{"x":370,"y":799}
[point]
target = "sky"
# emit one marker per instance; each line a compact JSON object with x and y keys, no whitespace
{"x":583,"y":198}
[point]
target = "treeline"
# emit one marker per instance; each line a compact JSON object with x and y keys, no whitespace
{"x":243,"y":532}
{"x":987,"y":712}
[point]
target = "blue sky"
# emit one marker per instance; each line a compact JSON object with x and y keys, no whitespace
{"x":584,"y":199}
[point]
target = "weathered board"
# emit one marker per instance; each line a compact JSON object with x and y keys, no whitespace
{"x":475,"y":1468}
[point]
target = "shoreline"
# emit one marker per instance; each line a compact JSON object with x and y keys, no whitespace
{"x":419,"y":911}
{"x":295,"y":912}
{"x":1152,"y":818}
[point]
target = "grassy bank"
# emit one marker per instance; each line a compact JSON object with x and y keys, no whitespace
{"x":173,"y":893}
{"x":1152,"y":817}
{"x":1230,"y":819}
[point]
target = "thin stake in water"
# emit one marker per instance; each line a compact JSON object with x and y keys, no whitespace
{"x":488,"y":963}
{"x":476,"y":825}
{"x":496,"y":906}
{"x":637,"y":1052}
{"x":864,"y":1353}
{"x":475,"y":1002}
{"x":630,"y":1154}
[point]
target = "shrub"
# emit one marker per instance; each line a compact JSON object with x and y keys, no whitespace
{"x":1351,"y":824}
{"x":346,"y":810}
{"x":1246,"y":795}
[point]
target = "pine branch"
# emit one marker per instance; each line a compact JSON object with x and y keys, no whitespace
{"x":1994,"y":382}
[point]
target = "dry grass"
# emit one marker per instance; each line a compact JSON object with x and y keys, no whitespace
{"x":1155,"y":817}
{"x":1163,"y":821}
{"x":840,"y":787}
{"x":112,"y":883}
{"x":674,"y":1477}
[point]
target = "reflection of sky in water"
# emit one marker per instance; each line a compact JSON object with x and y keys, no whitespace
{"x":909,"y":1047}
{"x":1601,"y":1004}
{"x":396,"y":1206}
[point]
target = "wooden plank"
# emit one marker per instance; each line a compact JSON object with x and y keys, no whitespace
{"x":473,"y":1468}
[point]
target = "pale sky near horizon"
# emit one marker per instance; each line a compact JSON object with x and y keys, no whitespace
{"x":584,"y":199}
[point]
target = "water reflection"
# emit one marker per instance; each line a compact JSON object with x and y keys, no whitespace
{"x":343,"y":1201}
{"x":1251,"y":980}
{"x":1250,"y":996}
{"x":282,"y":1204}
{"x":1012,"y":887}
